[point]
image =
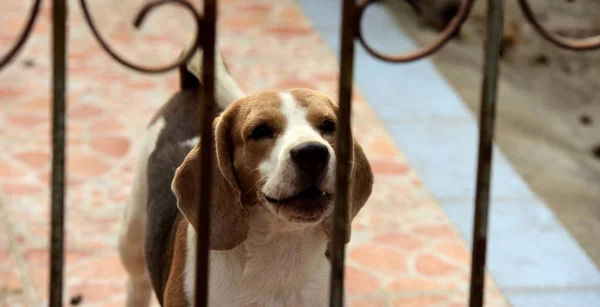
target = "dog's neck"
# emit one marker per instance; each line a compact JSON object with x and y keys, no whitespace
{"x":280,"y":264}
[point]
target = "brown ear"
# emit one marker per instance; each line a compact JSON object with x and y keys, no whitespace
{"x":360,"y":184}
{"x":229,"y":225}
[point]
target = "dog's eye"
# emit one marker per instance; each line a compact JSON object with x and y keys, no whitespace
{"x":261,"y":132}
{"x":327,"y":127}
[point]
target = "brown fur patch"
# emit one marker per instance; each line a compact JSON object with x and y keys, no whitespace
{"x":174,"y":295}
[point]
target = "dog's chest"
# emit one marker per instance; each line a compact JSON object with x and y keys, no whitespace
{"x":286,"y":271}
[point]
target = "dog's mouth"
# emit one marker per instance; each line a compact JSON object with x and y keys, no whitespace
{"x":312,"y":196}
{"x":308,"y":206}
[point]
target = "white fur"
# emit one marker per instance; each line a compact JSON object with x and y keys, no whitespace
{"x":191,"y":142}
{"x":279,"y":169}
{"x":279,"y":265}
{"x":133,"y":224}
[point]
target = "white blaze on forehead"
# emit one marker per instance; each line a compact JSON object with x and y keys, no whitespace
{"x":297,"y":130}
{"x":295,"y":115}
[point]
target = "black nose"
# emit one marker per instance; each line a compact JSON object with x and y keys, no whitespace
{"x":311,"y":157}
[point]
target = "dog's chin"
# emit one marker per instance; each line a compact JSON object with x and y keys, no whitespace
{"x":306,"y":207}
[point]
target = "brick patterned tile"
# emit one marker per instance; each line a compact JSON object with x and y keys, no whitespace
{"x":374,"y":302}
{"x":12,"y":292}
{"x":34,"y":159}
{"x":431,"y":265}
{"x":420,"y":301}
{"x":360,"y":282}
{"x":115,"y":147}
{"x":404,"y":251}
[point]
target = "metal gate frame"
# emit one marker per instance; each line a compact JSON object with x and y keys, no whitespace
{"x":352,"y":14}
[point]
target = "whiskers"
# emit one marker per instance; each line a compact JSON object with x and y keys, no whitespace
{"x":259,"y":181}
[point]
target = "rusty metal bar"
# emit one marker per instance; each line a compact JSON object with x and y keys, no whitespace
{"x":343,"y":149}
{"x":487,"y":117}
{"x":59,"y":88}
{"x":206,"y":155}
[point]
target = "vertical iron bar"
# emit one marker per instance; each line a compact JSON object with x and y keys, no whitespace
{"x":207,"y":41}
{"x":493,"y":45}
{"x":59,"y":81}
{"x":344,"y":143}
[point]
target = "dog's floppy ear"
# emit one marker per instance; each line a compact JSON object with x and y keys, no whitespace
{"x":229,"y":225}
{"x":360,"y":186}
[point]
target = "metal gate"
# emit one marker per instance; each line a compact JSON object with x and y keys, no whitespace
{"x":352,"y":14}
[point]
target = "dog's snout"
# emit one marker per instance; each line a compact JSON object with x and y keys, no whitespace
{"x":311,"y":157}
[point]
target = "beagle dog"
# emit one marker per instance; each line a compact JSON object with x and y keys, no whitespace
{"x":272,"y":200}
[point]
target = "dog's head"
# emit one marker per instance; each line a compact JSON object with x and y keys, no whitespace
{"x":274,"y":150}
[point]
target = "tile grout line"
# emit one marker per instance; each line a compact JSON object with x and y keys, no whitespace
{"x":17,"y":253}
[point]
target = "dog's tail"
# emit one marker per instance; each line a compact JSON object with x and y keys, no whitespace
{"x":226,"y":88}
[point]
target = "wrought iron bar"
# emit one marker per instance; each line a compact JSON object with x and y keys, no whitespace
{"x":343,"y":149}
{"x":487,"y":117}
{"x":207,"y":152}
{"x":59,"y":117}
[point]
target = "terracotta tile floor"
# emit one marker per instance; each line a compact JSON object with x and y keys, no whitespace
{"x":404,"y":252}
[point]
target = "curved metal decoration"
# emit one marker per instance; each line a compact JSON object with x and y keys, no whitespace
{"x":583,"y":44}
{"x":139,"y":19}
{"x":22,"y":38}
{"x":459,"y":19}
{"x":440,"y":41}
